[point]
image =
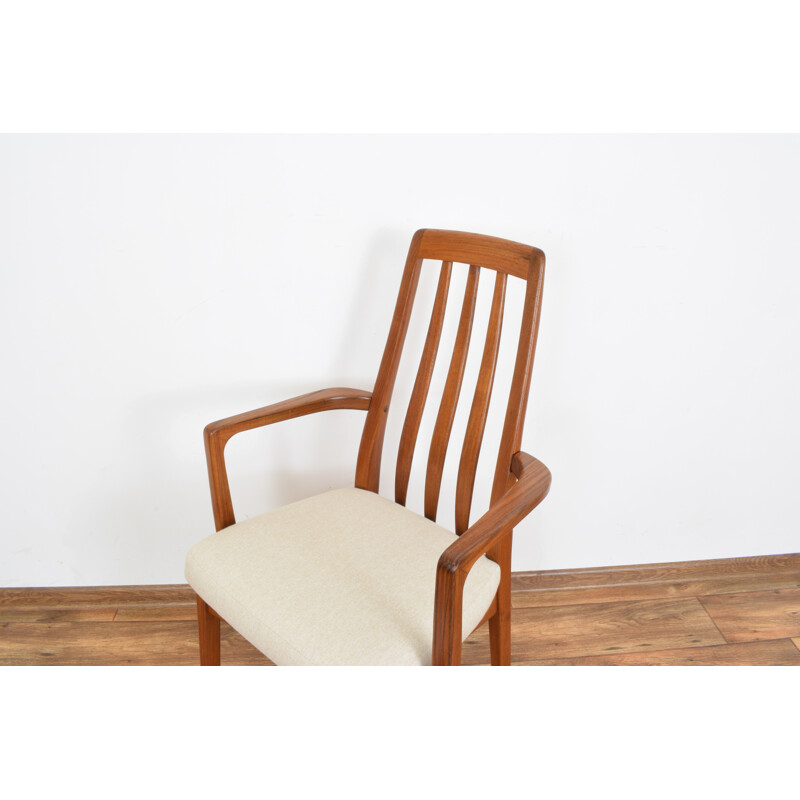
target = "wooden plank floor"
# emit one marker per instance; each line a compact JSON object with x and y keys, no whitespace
{"x":729,"y":612}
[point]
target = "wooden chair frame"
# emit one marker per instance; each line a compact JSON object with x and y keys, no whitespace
{"x":520,"y":483}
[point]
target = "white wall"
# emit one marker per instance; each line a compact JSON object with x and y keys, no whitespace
{"x":151,"y":284}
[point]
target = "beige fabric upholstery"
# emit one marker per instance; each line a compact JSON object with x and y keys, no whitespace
{"x":345,"y":577}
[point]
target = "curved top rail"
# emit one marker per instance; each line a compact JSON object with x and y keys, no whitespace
{"x":503,"y":255}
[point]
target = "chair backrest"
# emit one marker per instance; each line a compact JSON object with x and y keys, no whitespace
{"x":479,"y":252}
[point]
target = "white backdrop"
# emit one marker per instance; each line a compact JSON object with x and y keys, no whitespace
{"x":151,"y":284}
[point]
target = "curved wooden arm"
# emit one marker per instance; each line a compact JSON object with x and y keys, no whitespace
{"x":216,"y":435}
{"x":532,"y":486}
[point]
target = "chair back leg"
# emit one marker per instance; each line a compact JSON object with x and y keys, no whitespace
{"x":208,"y":629}
{"x":500,"y":622}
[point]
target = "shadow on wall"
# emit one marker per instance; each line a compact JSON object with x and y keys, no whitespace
{"x":159,"y":511}
{"x":367,"y":322}
{"x":267,"y":468}
{"x":146,"y":527}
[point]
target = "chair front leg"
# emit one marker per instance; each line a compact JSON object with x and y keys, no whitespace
{"x":208,"y":630}
{"x":447,"y":617}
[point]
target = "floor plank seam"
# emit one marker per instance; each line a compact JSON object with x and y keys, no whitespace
{"x":792,"y":581}
{"x":700,"y":600}
{"x":692,"y":621}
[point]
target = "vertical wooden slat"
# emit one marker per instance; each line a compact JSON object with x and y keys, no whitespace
{"x":520,"y":382}
{"x":452,"y":388}
{"x":368,"y":466}
{"x":480,"y":407}
{"x":416,"y":404}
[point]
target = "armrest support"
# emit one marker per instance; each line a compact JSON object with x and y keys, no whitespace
{"x":532,"y":486}
{"x":217,"y":434}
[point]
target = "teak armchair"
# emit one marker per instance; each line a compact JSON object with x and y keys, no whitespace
{"x":349,"y":577}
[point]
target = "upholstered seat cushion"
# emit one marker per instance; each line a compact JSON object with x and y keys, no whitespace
{"x":344,"y":577}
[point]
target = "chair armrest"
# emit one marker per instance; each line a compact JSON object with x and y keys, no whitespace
{"x":287,"y":409}
{"x":216,"y":436}
{"x":532,"y":486}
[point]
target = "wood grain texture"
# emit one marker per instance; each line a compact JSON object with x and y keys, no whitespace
{"x":452,"y":389}
{"x":485,"y":251}
{"x":677,"y":571}
{"x":490,"y":535}
{"x":776,"y":652}
{"x":147,"y":613}
{"x":479,"y":410}
{"x":519,"y":483}
{"x":419,"y":394}
{"x":532,"y":485}
{"x":548,"y":587}
{"x":54,"y":614}
{"x":514,"y":422}
{"x":368,"y":464}
{"x":602,"y":629}
{"x":113,"y":625}
{"x":310,"y":403}
{"x":153,"y":643}
{"x":526,"y":598}
{"x":75,"y":596}
{"x":217,"y":434}
{"x":652,"y":581}
{"x":500,"y":623}
{"x":208,"y":634}
{"x":98,"y":643}
{"x":514,"y":259}
{"x":751,"y":616}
